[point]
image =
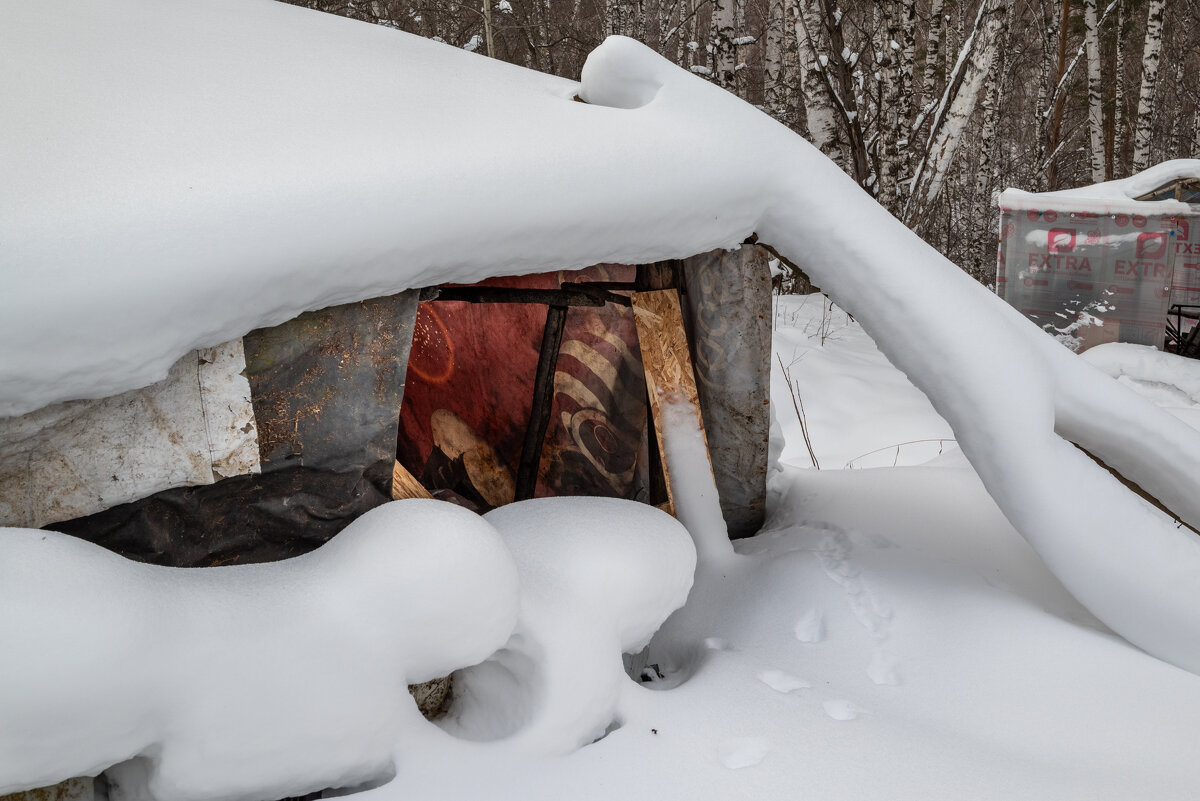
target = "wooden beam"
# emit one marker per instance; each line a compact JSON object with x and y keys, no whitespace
{"x":1137,"y":489}
{"x":667,"y":364}
{"x":543,"y":400}
{"x":405,"y":484}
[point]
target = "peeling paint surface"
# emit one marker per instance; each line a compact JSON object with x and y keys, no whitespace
{"x":79,"y":457}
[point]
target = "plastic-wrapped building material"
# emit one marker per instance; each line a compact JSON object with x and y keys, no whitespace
{"x":1103,"y":263}
{"x":1087,"y":273}
{"x":1185,"y":285}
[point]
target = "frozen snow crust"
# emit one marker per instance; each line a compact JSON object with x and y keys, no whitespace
{"x":255,"y":681}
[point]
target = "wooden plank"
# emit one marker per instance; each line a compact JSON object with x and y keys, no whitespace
{"x":405,"y":484}
{"x":543,"y":400}
{"x":667,"y":363}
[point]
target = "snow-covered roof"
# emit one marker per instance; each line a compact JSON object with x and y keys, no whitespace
{"x":177,"y":174}
{"x":1113,"y":194}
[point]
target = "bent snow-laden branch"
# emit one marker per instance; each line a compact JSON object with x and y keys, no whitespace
{"x":1018,"y":402}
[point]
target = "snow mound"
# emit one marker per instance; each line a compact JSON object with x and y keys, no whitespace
{"x":598,"y":578}
{"x":1148,"y":365}
{"x":241,"y":682}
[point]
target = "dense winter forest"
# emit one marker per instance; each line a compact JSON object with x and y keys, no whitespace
{"x":933,"y":106}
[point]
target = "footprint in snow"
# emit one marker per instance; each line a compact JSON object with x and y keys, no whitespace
{"x":742,"y":752}
{"x":839,"y":709}
{"x":810,"y":627}
{"x":782,"y":682}
{"x":883,"y":669}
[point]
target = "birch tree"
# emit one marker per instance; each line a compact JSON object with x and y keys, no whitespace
{"x":955,"y":108}
{"x":933,"y":40}
{"x":1146,"y":96}
{"x":1116,"y":162}
{"x":1091,"y":39}
{"x":723,"y":42}
{"x":820,"y":111}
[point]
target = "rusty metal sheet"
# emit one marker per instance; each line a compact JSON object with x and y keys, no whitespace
{"x":327,"y":385}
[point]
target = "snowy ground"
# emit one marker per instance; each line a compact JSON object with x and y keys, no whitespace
{"x":889,"y":635}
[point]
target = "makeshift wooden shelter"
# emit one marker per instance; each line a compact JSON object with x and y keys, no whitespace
{"x":499,"y":391}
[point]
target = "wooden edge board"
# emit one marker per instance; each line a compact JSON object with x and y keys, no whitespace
{"x":405,"y":484}
{"x":667,"y":364}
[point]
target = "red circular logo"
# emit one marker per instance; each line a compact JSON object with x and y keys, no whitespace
{"x":1139,"y":221}
{"x":1051,"y":215}
{"x":1033,"y":215}
{"x":1122,"y":220}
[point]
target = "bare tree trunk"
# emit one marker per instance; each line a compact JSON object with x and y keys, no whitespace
{"x":775,"y":94}
{"x":1059,"y":99}
{"x":487,"y":28}
{"x":1091,"y":39}
{"x":722,"y":36}
{"x":820,"y":110}
{"x":840,"y":72}
{"x":1196,"y":129}
{"x":887,"y":118}
{"x":929,"y":85}
{"x":1116,"y":163}
{"x":1146,"y":97}
{"x":958,"y":102}
{"x":904,"y":97}
{"x":1175,"y":139}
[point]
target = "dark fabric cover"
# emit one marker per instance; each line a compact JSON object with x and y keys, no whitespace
{"x":240,"y":520}
{"x":326,"y":389}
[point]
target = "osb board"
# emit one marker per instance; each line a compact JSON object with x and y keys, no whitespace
{"x":667,"y":363}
